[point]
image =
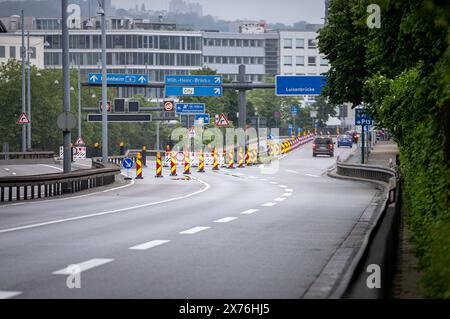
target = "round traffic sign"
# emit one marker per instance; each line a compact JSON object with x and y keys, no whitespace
{"x":180,"y":157}
{"x":168,"y":106}
{"x":127,"y":163}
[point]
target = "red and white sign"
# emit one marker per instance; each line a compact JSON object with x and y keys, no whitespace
{"x":222,"y":120}
{"x":169,"y":106}
{"x":108,"y":106}
{"x":23,"y":119}
{"x":80,"y":141}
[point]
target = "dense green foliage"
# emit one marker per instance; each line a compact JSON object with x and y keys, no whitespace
{"x":402,"y":72}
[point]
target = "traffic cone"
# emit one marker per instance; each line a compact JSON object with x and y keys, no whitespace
{"x":173,"y":164}
{"x":230,"y":159}
{"x":247,"y":157}
{"x":255,"y":155}
{"x":283,"y":148}
{"x":272,"y":150}
{"x":241,"y":158}
{"x":187,"y":163}
{"x":139,"y":166}
{"x":224,"y":155}
{"x":168,"y":153}
{"x":158,"y":165}
{"x":201,"y":162}
{"x":277,"y":149}
{"x":216,"y":160}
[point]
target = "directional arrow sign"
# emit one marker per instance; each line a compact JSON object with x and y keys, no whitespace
{"x":193,"y":91}
{"x":118,"y":79}
{"x":205,"y":118}
{"x":361,"y":118}
{"x":194,"y":80}
{"x":190,"y":108}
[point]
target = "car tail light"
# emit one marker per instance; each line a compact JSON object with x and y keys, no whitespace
{"x":330,"y":146}
{"x":314,"y":146}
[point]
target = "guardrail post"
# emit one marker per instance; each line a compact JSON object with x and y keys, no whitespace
{"x":2,"y":194}
{"x":10,"y":194}
{"x":45,"y":190}
{"x":39,"y":191}
{"x":32,"y":191}
{"x":17,"y":192}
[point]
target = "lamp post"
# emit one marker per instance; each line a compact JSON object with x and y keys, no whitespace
{"x":67,"y":135}
{"x":102,"y":12}
{"x":79,"y":101}
{"x":29,"y":91}
{"x":22,"y":54}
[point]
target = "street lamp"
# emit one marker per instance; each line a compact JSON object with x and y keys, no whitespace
{"x":102,"y":12}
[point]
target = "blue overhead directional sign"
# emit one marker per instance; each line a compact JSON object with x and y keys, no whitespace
{"x":118,"y":79}
{"x":205,"y":117}
{"x":127,"y":163}
{"x":299,"y":85}
{"x":194,"y":80}
{"x":193,"y":90}
{"x":190,"y":108}
{"x":361,"y":118}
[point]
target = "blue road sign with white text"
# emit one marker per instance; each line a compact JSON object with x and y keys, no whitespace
{"x":193,"y":90}
{"x":118,"y":79}
{"x":294,"y":110}
{"x":194,"y":80}
{"x":127,"y":163}
{"x":190,"y":108}
{"x":287,"y":85}
{"x":361,"y":118}
{"x":205,"y":117}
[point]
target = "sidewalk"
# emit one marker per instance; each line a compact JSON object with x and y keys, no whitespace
{"x":406,"y":277}
{"x":380,"y":155}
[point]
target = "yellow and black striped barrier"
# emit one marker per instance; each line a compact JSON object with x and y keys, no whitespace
{"x":158,"y":165}
{"x":139,"y":166}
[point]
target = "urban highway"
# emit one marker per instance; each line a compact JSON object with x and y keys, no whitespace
{"x":244,"y":233}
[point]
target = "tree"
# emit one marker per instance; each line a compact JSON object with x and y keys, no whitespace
{"x":324,"y":110}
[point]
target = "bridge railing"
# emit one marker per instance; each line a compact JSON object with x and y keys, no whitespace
{"x":26,"y":157}
{"x":16,"y":188}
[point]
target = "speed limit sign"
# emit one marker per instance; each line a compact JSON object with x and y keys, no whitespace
{"x":169,"y":106}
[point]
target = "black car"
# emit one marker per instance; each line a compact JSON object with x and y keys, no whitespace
{"x":323,"y":146}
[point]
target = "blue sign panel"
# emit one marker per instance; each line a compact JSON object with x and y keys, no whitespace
{"x":290,"y":129}
{"x":190,"y":108}
{"x":299,"y":85}
{"x":194,"y":80}
{"x":294,"y":110}
{"x":118,"y":79}
{"x":206,"y":118}
{"x":361,"y":118}
{"x":127,"y":163}
{"x":193,"y":91}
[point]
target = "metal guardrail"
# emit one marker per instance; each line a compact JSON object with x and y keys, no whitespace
{"x":379,"y":246}
{"x":26,"y":155}
{"x":48,"y":185}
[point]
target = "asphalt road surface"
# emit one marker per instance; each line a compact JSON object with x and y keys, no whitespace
{"x":36,"y":169}
{"x":242,"y":233}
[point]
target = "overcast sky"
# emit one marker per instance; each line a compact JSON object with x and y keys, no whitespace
{"x":284,"y":11}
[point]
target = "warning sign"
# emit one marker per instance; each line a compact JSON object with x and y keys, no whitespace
{"x":222,"y":120}
{"x":23,"y":119}
{"x":79,"y":141}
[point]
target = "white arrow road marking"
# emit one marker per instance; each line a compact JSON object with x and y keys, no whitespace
{"x":85,"y":265}
{"x":9,"y":294}
{"x":269,"y":204}
{"x":194,"y":230}
{"x":225,"y":220}
{"x":249,"y":211}
{"x":150,"y":244}
{"x":279,"y":199}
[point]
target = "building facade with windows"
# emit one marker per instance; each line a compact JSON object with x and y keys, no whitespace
{"x":10,"y":49}
{"x":299,"y":54}
{"x":224,"y":52}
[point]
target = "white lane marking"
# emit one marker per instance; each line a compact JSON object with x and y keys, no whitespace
{"x":263,"y":179}
{"x":194,"y":230}
{"x":279,"y":199}
{"x":150,"y":244}
{"x":51,"y":166}
{"x":249,"y":211}
{"x":9,"y":294}
{"x":274,"y":183}
{"x":58,"y":221}
{"x":287,"y":194}
{"x":252,"y":177}
{"x":269,"y":204}
{"x":290,"y":190}
{"x":225,"y":220}
{"x":282,"y":186}
{"x":85,"y":265}
{"x":85,"y":165}
{"x":72,"y":197}
{"x":6,"y":169}
{"x":311,"y":175}
{"x":14,"y":173}
{"x":290,"y":171}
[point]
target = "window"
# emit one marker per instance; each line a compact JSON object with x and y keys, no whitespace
{"x":323,"y":61}
{"x":300,"y":60}
{"x":164,"y":42}
{"x":238,"y":43}
{"x":12,"y":52}
{"x":210,"y":59}
{"x":2,"y":51}
{"x":311,"y":44}
{"x":300,"y":43}
{"x":238,"y":60}
{"x":232,"y":43}
{"x":260,"y":43}
{"x":217,"y":42}
{"x":226,"y":42}
{"x":287,"y":60}
{"x":288,"y":43}
{"x":225,"y":60}
{"x":246,"y":60}
{"x":218,"y":60}
{"x":253,"y":43}
{"x":246,"y":43}
{"x":312,"y":61}
{"x":232,"y":60}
